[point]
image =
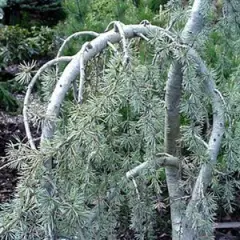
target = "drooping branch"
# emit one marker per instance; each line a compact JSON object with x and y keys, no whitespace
{"x":72,"y":69}
{"x":82,"y":72}
{"x":73,"y":36}
{"x":204,"y":177}
{"x":29,"y":91}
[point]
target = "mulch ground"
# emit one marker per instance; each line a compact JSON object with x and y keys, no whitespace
{"x":10,"y":126}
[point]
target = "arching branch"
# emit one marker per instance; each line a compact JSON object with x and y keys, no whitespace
{"x":75,"y":35}
{"x":72,"y":69}
{"x":29,"y":91}
{"x":204,"y":177}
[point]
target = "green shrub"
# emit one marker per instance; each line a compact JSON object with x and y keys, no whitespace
{"x":7,"y":100}
{"x":18,"y":44}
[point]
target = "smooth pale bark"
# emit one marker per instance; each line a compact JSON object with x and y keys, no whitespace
{"x":205,"y":174}
{"x":172,"y":135}
{"x":157,"y":163}
{"x":193,"y":26}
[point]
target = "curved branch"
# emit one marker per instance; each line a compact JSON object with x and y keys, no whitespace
{"x":28,"y":93}
{"x":204,"y":177}
{"x":72,"y":70}
{"x":119,"y":27}
{"x":68,"y":39}
{"x":75,"y":35}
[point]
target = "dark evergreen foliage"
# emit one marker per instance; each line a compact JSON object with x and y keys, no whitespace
{"x":29,"y":12}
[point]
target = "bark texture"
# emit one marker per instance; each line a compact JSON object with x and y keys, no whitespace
{"x":193,"y":26}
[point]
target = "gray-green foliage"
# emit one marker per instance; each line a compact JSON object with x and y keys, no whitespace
{"x":119,"y":125}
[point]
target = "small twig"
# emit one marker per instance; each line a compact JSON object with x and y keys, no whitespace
{"x":126,"y":57}
{"x":163,"y":154}
{"x":136,"y":187}
{"x":145,"y":22}
{"x":173,"y":22}
{"x":28,"y":93}
{"x":162,"y":160}
{"x":82,"y":72}
{"x":156,"y":56}
{"x":75,"y":91}
{"x":220,"y":95}
{"x":91,"y":33}
{"x":201,"y":140}
{"x":109,"y":25}
{"x":226,"y":225}
{"x":142,"y":36}
{"x":166,"y":32}
{"x":112,"y":46}
{"x":68,"y":39}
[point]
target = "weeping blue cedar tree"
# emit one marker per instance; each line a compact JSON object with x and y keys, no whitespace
{"x":120,"y":127}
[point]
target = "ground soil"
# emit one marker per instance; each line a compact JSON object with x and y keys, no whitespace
{"x":10,"y":126}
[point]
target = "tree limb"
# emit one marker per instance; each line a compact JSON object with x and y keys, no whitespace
{"x":75,"y":35}
{"x":204,"y":177}
{"x":119,"y":27}
{"x":72,"y":69}
{"x":82,"y":72}
{"x":157,"y":163}
{"x":28,"y":93}
{"x":172,"y":120}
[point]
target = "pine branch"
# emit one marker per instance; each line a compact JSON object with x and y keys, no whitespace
{"x":72,"y":70}
{"x":28,"y":93}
